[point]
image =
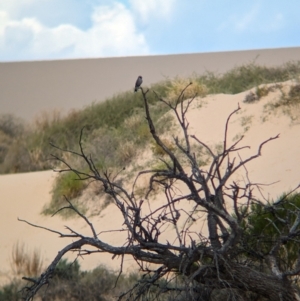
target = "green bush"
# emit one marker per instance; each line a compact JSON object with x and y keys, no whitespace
{"x":100,"y":284}
{"x":11,"y":292}
{"x":264,"y":225}
{"x":66,"y":270}
{"x":11,"y":125}
{"x":69,"y":186}
{"x":190,"y":89}
{"x":159,"y":151}
{"x":11,"y":129}
{"x":288,"y":102}
{"x":262,"y":91}
{"x":294,"y":95}
{"x":245,"y":77}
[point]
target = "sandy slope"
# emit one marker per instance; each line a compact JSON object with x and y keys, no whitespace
{"x":23,"y":195}
{"x":27,"y":88}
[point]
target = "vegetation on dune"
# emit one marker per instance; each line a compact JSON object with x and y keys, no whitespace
{"x":115,"y":130}
{"x":266,"y":222}
{"x":26,"y":148}
{"x":248,"y":251}
{"x":209,"y":238}
{"x":263,"y":225}
{"x":70,"y":282}
{"x":245,"y":77}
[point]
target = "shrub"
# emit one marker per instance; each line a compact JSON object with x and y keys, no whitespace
{"x":31,"y":150}
{"x":69,"y":186}
{"x":262,"y":91}
{"x":250,"y":97}
{"x":158,"y":151}
{"x":289,"y":101}
{"x":294,"y":95}
{"x":100,"y":284}
{"x":245,"y":77}
{"x":11,"y":129}
{"x":268,"y":224}
{"x":190,"y":89}
{"x":24,"y":262}
{"x":11,"y":125}
{"x":67,"y":270}
{"x":11,"y":292}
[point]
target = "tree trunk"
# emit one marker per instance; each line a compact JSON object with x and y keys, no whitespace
{"x":265,"y":285}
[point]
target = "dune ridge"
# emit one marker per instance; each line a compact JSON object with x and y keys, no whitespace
{"x":29,"y":88}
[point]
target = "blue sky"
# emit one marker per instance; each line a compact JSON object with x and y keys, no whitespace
{"x":62,"y":29}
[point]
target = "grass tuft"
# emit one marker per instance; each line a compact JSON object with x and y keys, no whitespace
{"x":25,"y":263}
{"x":191,"y":89}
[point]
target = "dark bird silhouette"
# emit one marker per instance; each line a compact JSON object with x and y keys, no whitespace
{"x":138,"y":83}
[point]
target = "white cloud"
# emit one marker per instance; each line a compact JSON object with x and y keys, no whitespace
{"x":4,"y":19}
{"x":112,"y":33}
{"x":151,"y":9}
{"x":14,"y":8}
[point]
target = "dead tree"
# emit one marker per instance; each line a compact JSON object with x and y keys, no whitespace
{"x":219,"y":262}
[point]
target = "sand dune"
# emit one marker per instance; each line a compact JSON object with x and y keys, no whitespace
{"x":23,"y":195}
{"x":27,"y":88}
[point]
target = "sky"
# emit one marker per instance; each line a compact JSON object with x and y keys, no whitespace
{"x":68,"y":29}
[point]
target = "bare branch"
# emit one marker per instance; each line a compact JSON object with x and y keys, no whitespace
{"x":213,"y":245}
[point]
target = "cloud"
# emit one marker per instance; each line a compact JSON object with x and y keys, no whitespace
{"x":113,"y":32}
{"x":151,"y":9}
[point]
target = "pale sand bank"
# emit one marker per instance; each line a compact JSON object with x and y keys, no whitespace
{"x":27,"y":88}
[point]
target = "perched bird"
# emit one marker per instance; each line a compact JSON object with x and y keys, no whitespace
{"x":138,"y":83}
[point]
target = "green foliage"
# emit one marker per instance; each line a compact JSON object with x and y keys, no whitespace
{"x":69,"y":186}
{"x":266,"y":224}
{"x":28,"y":150}
{"x":114,"y":130}
{"x":245,"y":77}
{"x":159,"y":151}
{"x":67,"y":270}
{"x":262,"y":91}
{"x":11,"y":292}
{"x":190,"y":87}
{"x":69,"y":282}
{"x":289,"y":103}
{"x":11,"y":129}
{"x":294,"y":94}
{"x":291,"y":99}
{"x":100,"y":284}
{"x":11,"y":125}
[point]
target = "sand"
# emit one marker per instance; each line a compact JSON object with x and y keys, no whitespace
{"x":28,"y":88}
{"x":24,"y":195}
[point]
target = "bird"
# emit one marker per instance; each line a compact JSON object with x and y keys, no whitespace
{"x":138,"y":83}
